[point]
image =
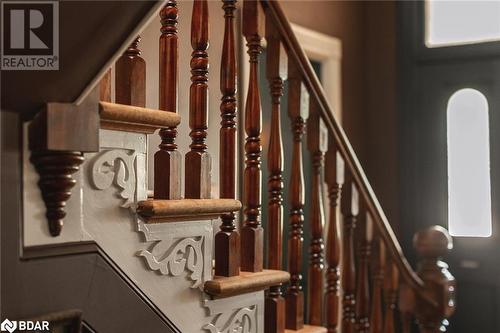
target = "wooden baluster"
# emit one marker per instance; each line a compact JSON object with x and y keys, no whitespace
{"x":317,"y":141}
{"x":167,"y":184}
{"x":376,"y":320}
{"x":298,"y":110}
{"x":276,"y":74}
{"x":350,"y":209}
{"x":197,"y":160}
{"x":252,"y":234}
{"x":105,"y":87}
{"x":227,"y":240}
{"x":130,"y":77}
{"x":391,"y":283}
{"x":405,"y":322}
{"x":363,"y":287}
{"x":334,"y":177}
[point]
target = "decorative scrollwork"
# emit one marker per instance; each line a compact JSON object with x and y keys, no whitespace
{"x":241,"y":321}
{"x":173,"y":258}
{"x":116,"y":167}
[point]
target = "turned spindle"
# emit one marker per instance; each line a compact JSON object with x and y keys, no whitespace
{"x":252,"y":234}
{"x":334,"y":178}
{"x":365,"y":234}
{"x":227,"y":240}
{"x":298,"y":110}
{"x":317,"y":142}
{"x":376,"y":316}
{"x":197,"y":160}
{"x":167,"y":183}
{"x":350,"y":209}
{"x":105,"y":87}
{"x":276,"y":74}
{"x":391,"y":282}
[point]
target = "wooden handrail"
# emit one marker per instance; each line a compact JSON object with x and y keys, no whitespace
{"x":297,"y":55}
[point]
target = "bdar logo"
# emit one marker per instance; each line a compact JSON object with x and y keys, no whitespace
{"x":8,"y":326}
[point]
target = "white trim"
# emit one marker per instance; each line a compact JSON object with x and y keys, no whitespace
{"x":327,"y":50}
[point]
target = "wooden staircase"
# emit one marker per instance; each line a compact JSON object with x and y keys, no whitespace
{"x":358,"y":277}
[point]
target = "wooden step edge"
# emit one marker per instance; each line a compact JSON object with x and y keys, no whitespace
{"x":245,"y":282}
{"x":309,"y":329}
{"x":129,"y":118}
{"x":158,"y":211}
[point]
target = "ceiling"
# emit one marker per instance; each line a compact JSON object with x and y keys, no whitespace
{"x":92,"y":34}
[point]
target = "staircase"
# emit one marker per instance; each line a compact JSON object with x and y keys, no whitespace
{"x":201,"y":260}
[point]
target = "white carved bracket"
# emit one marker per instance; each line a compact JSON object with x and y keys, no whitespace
{"x":180,"y":248}
{"x":241,"y":314}
{"x":116,"y":167}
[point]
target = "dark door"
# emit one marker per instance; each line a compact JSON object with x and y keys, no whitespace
{"x":429,"y":77}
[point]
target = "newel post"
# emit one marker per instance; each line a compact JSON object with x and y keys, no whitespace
{"x":431,"y":245}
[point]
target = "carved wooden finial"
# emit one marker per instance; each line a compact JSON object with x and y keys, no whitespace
{"x":431,"y":245}
{"x":55,"y":170}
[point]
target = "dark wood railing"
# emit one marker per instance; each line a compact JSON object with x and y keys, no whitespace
{"x":392,"y":265}
{"x":358,"y":277}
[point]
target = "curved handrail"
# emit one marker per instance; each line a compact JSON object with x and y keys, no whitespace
{"x":297,"y":54}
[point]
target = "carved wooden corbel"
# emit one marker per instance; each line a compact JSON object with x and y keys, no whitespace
{"x":58,"y":137}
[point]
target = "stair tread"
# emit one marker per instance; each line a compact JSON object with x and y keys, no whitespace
{"x":245,"y":282}
{"x":157,"y":211}
{"x":309,"y":329}
{"x":134,"y":118}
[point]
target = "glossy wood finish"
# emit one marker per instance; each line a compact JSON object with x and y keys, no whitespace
{"x":198,"y":161}
{"x":431,"y":245}
{"x":297,"y":55}
{"x":168,"y":57}
{"x":391,"y":282}
{"x":365,"y":233}
{"x":350,"y":208}
{"x":252,"y":234}
{"x":130,"y":77}
{"x":317,"y":142}
{"x":308,"y":329}
{"x":105,"y":87}
{"x":55,"y":170}
{"x":378,"y":269}
{"x":57,"y":136}
{"x":245,"y":282}
{"x":276,"y":74}
{"x":298,"y":110}
{"x":155,"y":211}
{"x":227,"y":240}
{"x":334,"y":178}
{"x":129,"y":118}
{"x":167,"y":163}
